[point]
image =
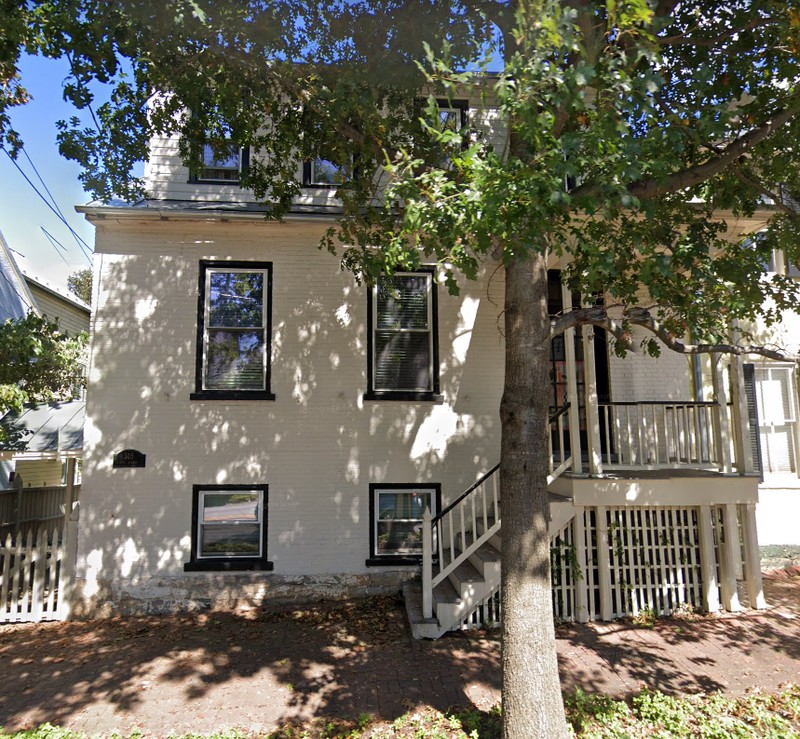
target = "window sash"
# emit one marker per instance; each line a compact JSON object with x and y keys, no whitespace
{"x":776,"y":397}
{"x":243,"y":343}
{"x":402,"y":345}
{"x":235,"y":529}
{"x":400,"y":534}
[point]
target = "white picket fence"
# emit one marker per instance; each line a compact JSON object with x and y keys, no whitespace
{"x":37,"y":573}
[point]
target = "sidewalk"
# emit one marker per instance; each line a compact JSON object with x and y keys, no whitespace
{"x":206,"y":672}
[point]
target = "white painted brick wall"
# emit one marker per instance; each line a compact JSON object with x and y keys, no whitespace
{"x":318,"y":445}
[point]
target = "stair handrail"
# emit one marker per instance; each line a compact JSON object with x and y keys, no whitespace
{"x":433,"y":529}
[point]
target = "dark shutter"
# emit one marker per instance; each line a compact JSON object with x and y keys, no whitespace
{"x":752,"y":416}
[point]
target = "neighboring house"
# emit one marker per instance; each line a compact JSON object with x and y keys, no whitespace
{"x":40,"y":454}
{"x":260,"y":427}
{"x":58,"y":303}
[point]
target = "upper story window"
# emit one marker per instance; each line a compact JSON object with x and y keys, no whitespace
{"x":403,"y":343}
{"x":234,"y":331}
{"x":325,"y":171}
{"x":222,"y":163}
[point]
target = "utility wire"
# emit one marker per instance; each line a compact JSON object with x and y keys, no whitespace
{"x":56,"y":243}
{"x":78,"y":239}
{"x":86,"y":251}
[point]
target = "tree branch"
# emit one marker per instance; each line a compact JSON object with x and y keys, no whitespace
{"x":643,"y":318}
{"x":712,"y":42}
{"x":775,"y":197}
{"x":598,"y":316}
{"x":653,"y":188}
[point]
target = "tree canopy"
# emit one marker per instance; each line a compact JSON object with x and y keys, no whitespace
{"x":648,"y":145}
{"x":80,"y":284}
{"x":38,"y":362}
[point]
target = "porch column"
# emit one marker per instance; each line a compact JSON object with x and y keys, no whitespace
{"x":708,"y":563}
{"x":572,"y":389}
{"x":592,"y":411}
{"x":581,"y":584}
{"x":741,"y":418}
{"x":603,"y":564}
{"x":752,"y":558}
{"x":730,"y":559}
{"x":721,"y":425}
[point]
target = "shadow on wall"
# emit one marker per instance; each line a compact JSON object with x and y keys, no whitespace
{"x":318,"y":445}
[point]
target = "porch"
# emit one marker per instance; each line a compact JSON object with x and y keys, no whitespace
{"x":652,"y":510}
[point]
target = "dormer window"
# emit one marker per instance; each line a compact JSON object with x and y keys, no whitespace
{"x":325,"y":171}
{"x":223,"y":163}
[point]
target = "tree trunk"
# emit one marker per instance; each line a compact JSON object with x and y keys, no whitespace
{"x":532,"y":703}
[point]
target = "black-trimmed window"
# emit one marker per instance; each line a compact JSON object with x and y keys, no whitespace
{"x":325,"y":171}
{"x":229,"y":528}
{"x":222,"y":164}
{"x":396,"y":522}
{"x":234,"y":330}
{"x":403,"y":349}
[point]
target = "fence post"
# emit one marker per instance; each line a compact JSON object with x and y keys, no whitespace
{"x":38,"y":563}
{"x":427,"y":565}
{"x":67,"y":575}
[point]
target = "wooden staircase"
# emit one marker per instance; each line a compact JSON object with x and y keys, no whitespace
{"x":466,"y":536}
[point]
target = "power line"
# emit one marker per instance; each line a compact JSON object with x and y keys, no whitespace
{"x":85,"y":248}
{"x":77,"y":238}
{"x":56,"y":243}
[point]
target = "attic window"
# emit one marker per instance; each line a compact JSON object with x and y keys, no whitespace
{"x":223,"y":163}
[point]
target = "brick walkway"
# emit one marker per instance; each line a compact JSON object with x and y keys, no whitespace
{"x":206,"y":672}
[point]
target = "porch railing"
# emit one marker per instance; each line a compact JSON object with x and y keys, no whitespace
{"x":472,"y":519}
{"x":660,"y":434}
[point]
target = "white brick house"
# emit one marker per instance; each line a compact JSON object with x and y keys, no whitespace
{"x":287,"y":455}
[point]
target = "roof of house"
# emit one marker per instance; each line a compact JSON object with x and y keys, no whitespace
{"x":15,"y":296}
{"x":44,"y":430}
{"x":57,"y":291}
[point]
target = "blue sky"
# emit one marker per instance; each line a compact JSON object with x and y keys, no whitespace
{"x":23,"y":214}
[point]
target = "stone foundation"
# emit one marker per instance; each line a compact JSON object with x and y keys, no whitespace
{"x":227,"y":592}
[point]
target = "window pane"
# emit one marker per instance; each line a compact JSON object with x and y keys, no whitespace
{"x":403,"y":504}
{"x":325,"y":172}
{"x":398,"y":537}
{"x":227,"y":159}
{"x":227,"y":507}
{"x":236,"y":299}
{"x":235,"y":360}
{"x":403,"y":303}
{"x":403,"y":361}
{"x":450,"y":119}
{"x":236,"y":540}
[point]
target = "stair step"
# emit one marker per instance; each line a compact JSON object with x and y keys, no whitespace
{"x":445,"y":592}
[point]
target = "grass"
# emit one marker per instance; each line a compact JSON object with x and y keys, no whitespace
{"x":650,"y":715}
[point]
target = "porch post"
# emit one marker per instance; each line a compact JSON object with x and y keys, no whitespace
{"x":579,"y":538}
{"x":708,"y":568}
{"x":721,"y":424}
{"x":741,"y":417}
{"x":603,"y":564}
{"x":730,"y":555}
{"x":592,"y":411}
{"x":572,"y":389}
{"x":752,"y":559}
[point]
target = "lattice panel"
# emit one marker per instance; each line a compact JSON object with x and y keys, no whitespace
{"x":654,"y":558}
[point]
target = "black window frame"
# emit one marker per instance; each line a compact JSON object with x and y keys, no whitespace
{"x":198,"y":563}
{"x":308,"y":183}
{"x":382,"y":560}
{"x":201,"y":392}
{"x":405,"y":394}
{"x":198,"y":178}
